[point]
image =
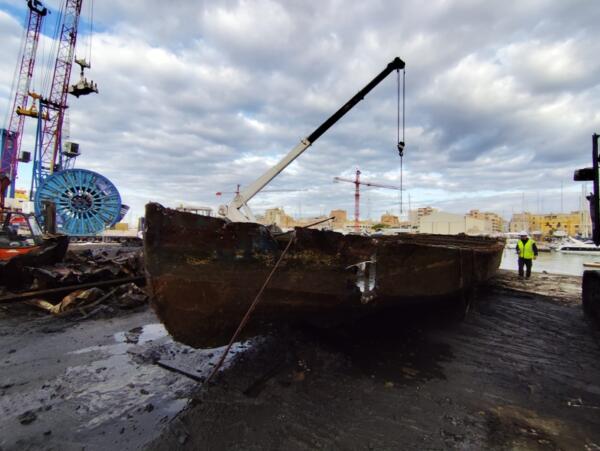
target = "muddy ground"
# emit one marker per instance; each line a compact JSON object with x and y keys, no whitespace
{"x":93,"y":384}
{"x":521,"y":372}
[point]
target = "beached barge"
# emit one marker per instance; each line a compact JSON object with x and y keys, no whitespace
{"x":204,"y":273}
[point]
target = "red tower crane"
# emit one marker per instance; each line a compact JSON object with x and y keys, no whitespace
{"x":11,"y":142}
{"x":357,"y":182}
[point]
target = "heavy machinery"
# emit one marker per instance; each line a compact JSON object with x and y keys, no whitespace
{"x":591,"y":278}
{"x":86,"y":202}
{"x":19,"y":234}
{"x":357,"y":182}
{"x":11,"y":136}
{"x":238,"y":210}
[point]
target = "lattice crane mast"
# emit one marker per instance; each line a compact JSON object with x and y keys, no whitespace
{"x":357,"y":182}
{"x":49,"y":157}
{"x":86,"y":202}
{"x":12,"y":136}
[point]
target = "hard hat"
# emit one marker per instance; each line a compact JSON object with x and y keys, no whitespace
{"x":523,"y":233}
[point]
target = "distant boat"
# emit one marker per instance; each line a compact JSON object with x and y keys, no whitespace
{"x":544,"y":247}
{"x":574,"y":246}
{"x":511,"y":243}
{"x":512,"y":239}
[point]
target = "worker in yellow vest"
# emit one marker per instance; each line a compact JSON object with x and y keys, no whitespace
{"x":527,"y":252}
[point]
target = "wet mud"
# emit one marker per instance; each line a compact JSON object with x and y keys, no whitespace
{"x":521,"y":372}
{"x":93,"y":384}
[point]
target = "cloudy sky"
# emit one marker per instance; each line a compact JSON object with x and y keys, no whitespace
{"x":502,"y":98}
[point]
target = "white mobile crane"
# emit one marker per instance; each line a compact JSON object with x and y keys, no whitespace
{"x":238,"y":210}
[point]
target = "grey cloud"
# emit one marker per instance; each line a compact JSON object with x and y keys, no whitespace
{"x":197,"y":97}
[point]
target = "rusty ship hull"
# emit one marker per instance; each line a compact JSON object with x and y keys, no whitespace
{"x":204,"y":273}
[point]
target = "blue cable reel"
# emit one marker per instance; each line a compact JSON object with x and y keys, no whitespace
{"x":86,"y":202}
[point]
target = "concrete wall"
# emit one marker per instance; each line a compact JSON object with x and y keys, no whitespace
{"x":476,"y":226}
{"x":450,"y":224}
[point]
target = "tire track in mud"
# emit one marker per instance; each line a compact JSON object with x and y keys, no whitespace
{"x":535,"y":355}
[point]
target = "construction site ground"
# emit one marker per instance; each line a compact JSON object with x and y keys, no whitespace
{"x":522,"y":371}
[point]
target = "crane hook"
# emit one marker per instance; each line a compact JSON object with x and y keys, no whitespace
{"x":401,"y":141}
{"x":401,"y":148}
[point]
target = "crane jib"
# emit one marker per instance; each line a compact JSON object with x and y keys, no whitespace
{"x":234,"y":212}
{"x":395,"y":64}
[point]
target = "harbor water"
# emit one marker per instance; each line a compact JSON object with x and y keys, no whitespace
{"x":551,"y":262}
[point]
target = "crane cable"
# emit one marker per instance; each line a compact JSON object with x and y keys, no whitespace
{"x":15,"y":79}
{"x":52,"y":55}
{"x":400,"y":144}
{"x":91,"y":19}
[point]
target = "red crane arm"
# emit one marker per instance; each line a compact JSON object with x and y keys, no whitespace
{"x":342,"y":179}
{"x":376,"y":185}
{"x":14,"y":131}
{"x":381,"y":185}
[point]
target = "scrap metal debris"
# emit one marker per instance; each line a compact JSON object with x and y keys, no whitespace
{"x":89,"y":266}
{"x":78,"y":298}
{"x":84,"y":283}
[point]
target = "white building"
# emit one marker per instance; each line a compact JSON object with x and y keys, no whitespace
{"x":442,"y":223}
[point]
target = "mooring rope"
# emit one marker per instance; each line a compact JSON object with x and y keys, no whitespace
{"x":249,"y":312}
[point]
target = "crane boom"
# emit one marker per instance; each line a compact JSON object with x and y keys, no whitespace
{"x":375,"y":185}
{"x":233,"y":210}
{"x":14,"y":132}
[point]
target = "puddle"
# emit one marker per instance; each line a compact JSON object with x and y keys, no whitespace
{"x":126,"y":339}
{"x":119,"y":348}
{"x":116,"y":389}
{"x":142,"y":334}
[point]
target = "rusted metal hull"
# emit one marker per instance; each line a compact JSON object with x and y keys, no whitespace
{"x":204,"y":273}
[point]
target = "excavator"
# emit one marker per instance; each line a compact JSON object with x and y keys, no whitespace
{"x":590,"y":289}
{"x":21,"y":236}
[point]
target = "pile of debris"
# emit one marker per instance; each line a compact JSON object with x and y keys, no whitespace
{"x":85,"y":283}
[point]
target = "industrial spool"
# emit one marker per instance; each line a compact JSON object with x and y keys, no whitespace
{"x":86,"y":202}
